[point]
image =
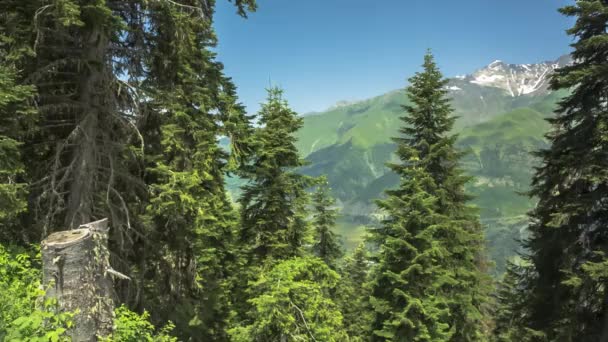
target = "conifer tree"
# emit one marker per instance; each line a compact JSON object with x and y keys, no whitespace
{"x":408,"y":298}
{"x":15,"y":113}
{"x":192,"y":222}
{"x":510,"y":312}
{"x":326,"y":245}
{"x":353,"y":294}
{"x":428,"y":129}
{"x":273,"y":205}
{"x":429,"y":284}
{"x":569,"y":234}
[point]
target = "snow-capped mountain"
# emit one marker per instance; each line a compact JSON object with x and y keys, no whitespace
{"x":517,"y":79}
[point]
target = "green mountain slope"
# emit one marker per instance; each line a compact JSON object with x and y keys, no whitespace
{"x":374,"y":121}
{"x":351,"y":144}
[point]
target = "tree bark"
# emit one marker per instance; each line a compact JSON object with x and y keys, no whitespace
{"x":76,"y":272}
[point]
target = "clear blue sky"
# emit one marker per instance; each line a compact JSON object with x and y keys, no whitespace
{"x":324,"y":51}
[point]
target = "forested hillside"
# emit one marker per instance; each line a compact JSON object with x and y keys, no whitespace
{"x":120,"y":130}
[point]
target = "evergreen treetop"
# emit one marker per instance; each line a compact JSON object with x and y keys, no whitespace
{"x":427,"y":135}
{"x":274,"y":203}
{"x":430,"y":282}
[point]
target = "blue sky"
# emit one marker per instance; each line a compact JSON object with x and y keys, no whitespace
{"x":325,"y":51}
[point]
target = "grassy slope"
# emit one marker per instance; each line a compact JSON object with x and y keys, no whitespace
{"x":353,"y":144}
{"x":374,"y":121}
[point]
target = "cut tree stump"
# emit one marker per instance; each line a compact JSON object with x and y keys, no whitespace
{"x":76,"y":271}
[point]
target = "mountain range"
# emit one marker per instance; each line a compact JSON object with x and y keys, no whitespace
{"x":501,"y":112}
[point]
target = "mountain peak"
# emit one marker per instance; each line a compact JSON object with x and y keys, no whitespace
{"x":495,"y":64}
{"x":518,"y":79}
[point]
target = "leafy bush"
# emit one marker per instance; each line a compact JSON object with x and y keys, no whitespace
{"x":293,"y":303}
{"x":132,"y":327}
{"x":24,"y":315}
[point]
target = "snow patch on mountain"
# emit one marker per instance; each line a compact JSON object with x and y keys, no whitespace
{"x":517,"y":79}
{"x":485,"y":79}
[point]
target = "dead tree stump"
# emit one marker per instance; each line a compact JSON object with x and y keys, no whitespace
{"x":76,"y":272}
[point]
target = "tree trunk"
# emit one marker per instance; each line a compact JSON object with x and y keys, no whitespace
{"x":76,"y":272}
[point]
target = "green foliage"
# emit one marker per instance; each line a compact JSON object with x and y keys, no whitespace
{"x":131,"y":327}
{"x":292,"y":302}
{"x":189,"y":220}
{"x":326,"y":243}
{"x":68,"y":12}
{"x":409,"y":281}
{"x":24,"y":314}
{"x":131,"y":102}
{"x":510,"y":312}
{"x":45,"y":324}
{"x":15,"y":113}
{"x":19,"y":284}
{"x":352,"y":294}
{"x":568,"y":299}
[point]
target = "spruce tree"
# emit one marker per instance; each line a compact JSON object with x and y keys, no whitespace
{"x":16,"y":112}
{"x":273,"y":205}
{"x":431,"y":234}
{"x":429,"y":123}
{"x":86,"y":120}
{"x":327,"y":245}
{"x":408,"y":295}
{"x":569,"y":234}
{"x":352,"y":295}
{"x":511,"y":306}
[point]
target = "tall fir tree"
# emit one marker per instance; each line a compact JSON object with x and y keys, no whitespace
{"x":431,"y":233}
{"x":326,"y":242}
{"x":190,"y":253}
{"x":569,"y":234}
{"x":273,"y":205}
